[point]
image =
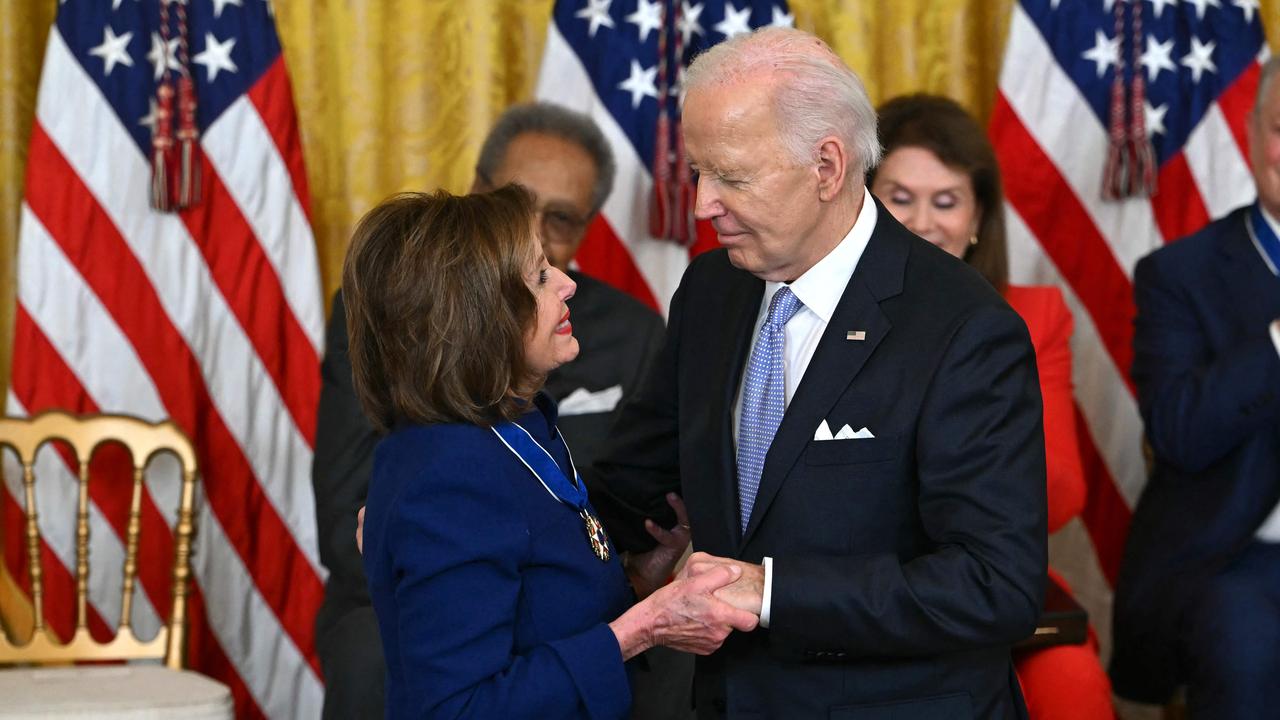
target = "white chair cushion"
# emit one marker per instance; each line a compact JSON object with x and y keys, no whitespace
{"x":110,"y":692}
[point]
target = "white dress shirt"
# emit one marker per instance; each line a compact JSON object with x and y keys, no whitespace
{"x":820,"y":289}
{"x":1269,"y":530}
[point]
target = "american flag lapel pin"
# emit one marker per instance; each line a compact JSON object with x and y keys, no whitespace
{"x":855,"y":335}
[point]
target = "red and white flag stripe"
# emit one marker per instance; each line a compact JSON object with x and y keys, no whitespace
{"x":1050,"y":145}
{"x":212,"y":318}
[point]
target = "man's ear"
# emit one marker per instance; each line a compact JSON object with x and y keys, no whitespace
{"x":833,"y":168}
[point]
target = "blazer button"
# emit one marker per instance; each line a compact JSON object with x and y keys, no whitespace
{"x":719,"y":705}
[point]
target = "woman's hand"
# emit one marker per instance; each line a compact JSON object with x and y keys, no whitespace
{"x":684,"y":615}
{"x":651,"y":570}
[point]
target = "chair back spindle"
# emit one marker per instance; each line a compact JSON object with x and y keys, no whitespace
{"x":84,"y":435}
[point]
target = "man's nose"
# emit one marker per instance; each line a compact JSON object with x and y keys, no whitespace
{"x":707,"y":203}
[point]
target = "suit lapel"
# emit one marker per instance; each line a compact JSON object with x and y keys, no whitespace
{"x":1253,"y":291}
{"x":743,"y":301}
{"x":837,"y":360}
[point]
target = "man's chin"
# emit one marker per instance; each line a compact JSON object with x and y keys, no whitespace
{"x":740,"y":259}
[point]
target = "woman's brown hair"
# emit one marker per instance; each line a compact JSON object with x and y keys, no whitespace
{"x":942,"y":127}
{"x":437,"y":307}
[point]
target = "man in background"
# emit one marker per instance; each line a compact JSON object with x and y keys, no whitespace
{"x":1198,"y":599}
{"x":561,"y":157}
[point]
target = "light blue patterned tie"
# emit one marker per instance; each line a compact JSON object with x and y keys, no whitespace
{"x":763,"y":398}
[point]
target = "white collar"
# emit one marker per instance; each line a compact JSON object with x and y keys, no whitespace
{"x":821,"y":286}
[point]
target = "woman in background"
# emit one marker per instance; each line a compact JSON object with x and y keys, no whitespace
{"x":940,"y":179}
{"x":497,"y":593}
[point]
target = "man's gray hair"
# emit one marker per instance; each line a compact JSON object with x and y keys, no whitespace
{"x":818,"y":95}
{"x":556,"y":121}
{"x":1270,"y":69}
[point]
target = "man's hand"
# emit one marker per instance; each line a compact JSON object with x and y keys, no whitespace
{"x":360,"y":530}
{"x":650,"y":571}
{"x":684,"y":615}
{"x":747,"y":593}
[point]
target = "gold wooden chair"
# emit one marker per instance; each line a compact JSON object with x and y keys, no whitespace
{"x":46,"y":682}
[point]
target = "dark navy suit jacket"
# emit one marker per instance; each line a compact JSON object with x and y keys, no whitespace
{"x":1208,"y":379}
{"x":904,"y":565}
{"x":490,"y":601}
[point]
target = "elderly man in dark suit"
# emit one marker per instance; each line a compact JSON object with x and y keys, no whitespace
{"x":851,"y":414}
{"x":561,"y":157}
{"x":1198,"y":601}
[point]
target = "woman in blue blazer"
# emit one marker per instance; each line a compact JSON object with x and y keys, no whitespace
{"x":497,"y":592}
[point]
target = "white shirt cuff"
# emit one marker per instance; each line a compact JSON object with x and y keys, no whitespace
{"x":1275,"y":338}
{"x":768,"y":586}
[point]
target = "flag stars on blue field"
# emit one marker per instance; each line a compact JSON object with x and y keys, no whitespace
{"x":1153,"y":118}
{"x":1247,"y":7}
{"x":149,"y":120}
{"x":216,"y":56}
{"x":641,"y":83}
{"x":647,"y":17}
{"x":163,"y":55}
{"x":1200,"y":59}
{"x":689,"y":24}
{"x":1157,"y":57}
{"x":113,"y":50}
{"x":218,"y":5}
{"x":1104,"y":53}
{"x":597,"y":13}
{"x":735,"y":22}
{"x":1188,"y":52}
{"x":1202,"y":5}
{"x":618,"y":41}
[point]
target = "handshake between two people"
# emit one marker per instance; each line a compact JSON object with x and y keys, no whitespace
{"x":709,"y":599}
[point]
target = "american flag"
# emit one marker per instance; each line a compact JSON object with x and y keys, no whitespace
{"x":212,"y":317}
{"x":1199,"y":61}
{"x":602,"y":58}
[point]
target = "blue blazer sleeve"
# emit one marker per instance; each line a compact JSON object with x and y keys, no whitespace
{"x":456,"y":542}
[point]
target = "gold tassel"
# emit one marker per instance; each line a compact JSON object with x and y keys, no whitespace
{"x":159,"y":180}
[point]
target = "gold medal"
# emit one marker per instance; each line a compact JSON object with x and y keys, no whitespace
{"x":595,"y":535}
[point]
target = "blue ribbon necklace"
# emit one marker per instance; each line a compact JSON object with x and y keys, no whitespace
{"x":1264,"y":237}
{"x":544,"y":468}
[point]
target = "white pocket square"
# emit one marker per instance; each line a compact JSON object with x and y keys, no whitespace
{"x":584,"y":402}
{"x":846,"y":433}
{"x":823,"y":432}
